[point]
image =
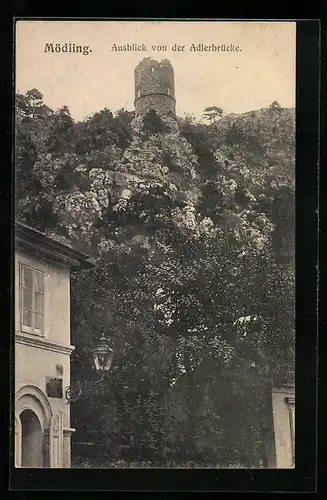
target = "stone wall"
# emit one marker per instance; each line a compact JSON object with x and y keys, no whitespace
{"x":154,"y":87}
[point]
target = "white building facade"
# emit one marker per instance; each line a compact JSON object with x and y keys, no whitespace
{"x":42,"y":348}
{"x":283,"y":404}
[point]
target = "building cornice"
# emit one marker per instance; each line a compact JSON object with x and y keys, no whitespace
{"x":290,"y":400}
{"x":284,"y":389}
{"x":43,"y":343}
{"x":34,"y":242}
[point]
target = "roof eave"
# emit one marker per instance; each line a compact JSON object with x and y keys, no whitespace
{"x":37,"y":243}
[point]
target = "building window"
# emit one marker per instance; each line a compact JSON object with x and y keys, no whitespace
{"x":32,"y":300}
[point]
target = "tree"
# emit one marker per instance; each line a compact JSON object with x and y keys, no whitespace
{"x":30,"y":104}
{"x":275,"y":105}
{"x":212,"y":113}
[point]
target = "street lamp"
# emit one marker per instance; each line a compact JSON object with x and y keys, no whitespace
{"x":103,"y":356}
{"x":102,"y":359}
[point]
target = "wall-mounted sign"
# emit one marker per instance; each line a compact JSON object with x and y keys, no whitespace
{"x":54,"y":387}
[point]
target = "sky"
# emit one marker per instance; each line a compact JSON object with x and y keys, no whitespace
{"x":262,"y":71}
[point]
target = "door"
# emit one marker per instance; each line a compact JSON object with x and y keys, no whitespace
{"x":31,"y":440}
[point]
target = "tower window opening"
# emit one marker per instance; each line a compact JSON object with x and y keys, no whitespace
{"x":152,"y":69}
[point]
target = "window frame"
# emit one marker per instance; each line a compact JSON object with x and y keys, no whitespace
{"x":25,"y":328}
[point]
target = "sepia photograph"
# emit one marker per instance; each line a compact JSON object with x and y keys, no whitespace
{"x":154,"y":166}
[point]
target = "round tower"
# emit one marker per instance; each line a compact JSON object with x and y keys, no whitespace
{"x":154,"y":87}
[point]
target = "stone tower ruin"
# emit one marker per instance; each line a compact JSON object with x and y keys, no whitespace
{"x":154,"y":87}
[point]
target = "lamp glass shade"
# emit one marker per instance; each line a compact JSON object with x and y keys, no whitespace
{"x":103,"y":356}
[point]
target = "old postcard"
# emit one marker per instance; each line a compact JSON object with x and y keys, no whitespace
{"x":154,"y":244}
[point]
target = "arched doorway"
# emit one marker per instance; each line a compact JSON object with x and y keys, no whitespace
{"x":33,"y":420}
{"x":32,"y":440}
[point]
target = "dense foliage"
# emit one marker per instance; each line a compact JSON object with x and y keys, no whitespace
{"x":190,"y":228}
